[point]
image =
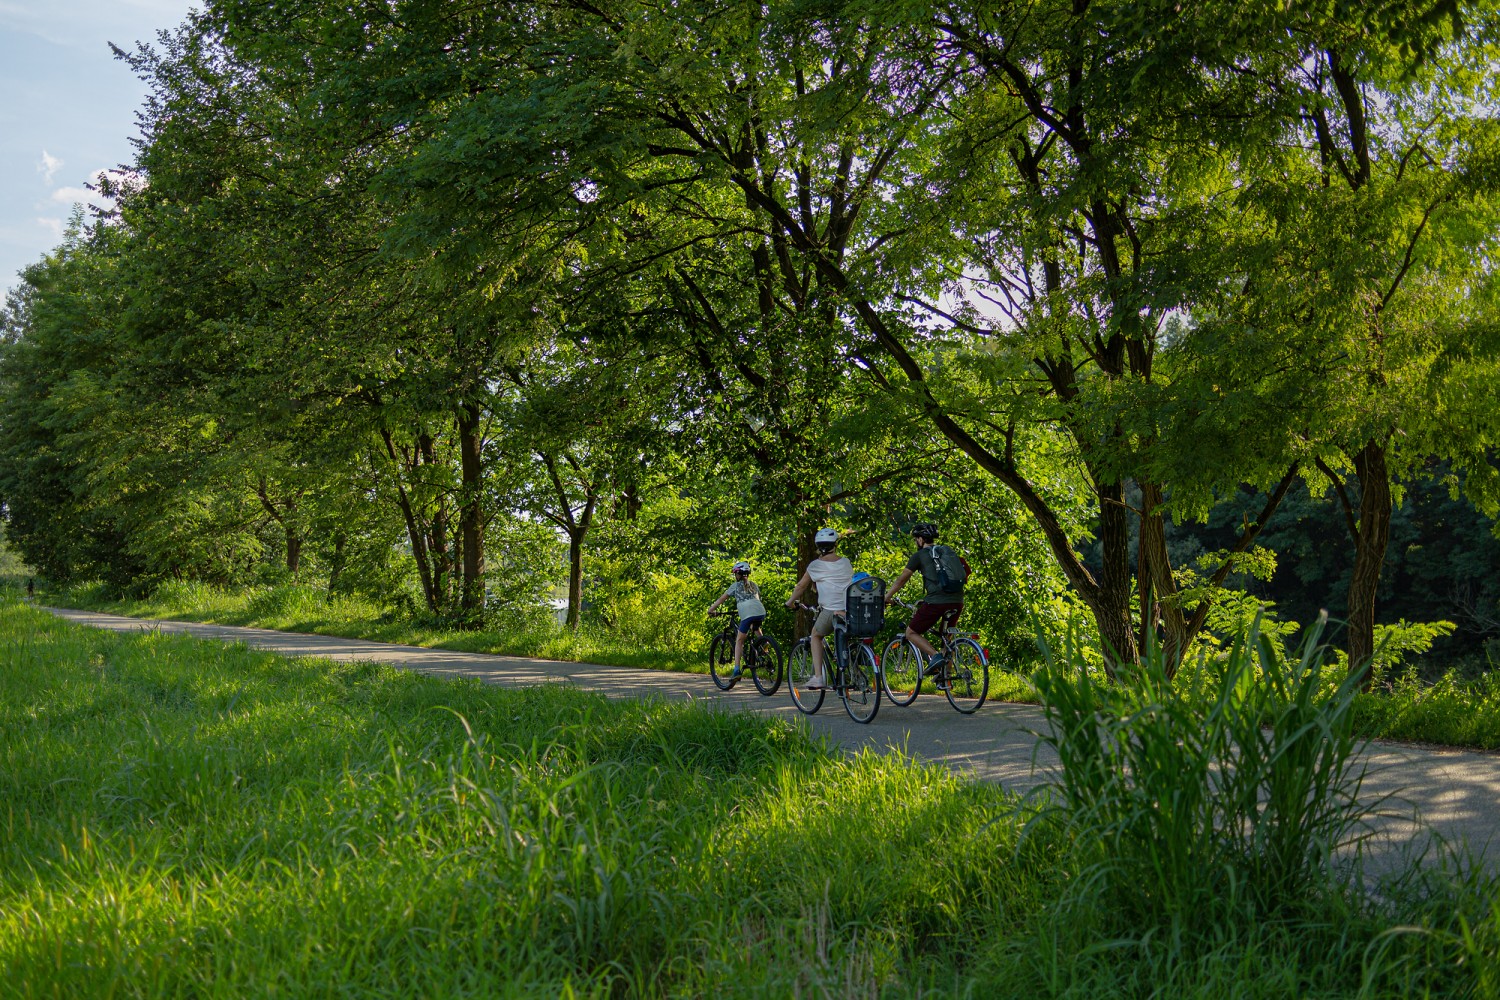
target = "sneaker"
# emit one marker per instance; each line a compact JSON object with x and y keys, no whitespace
{"x":934,"y":666}
{"x":814,"y":684}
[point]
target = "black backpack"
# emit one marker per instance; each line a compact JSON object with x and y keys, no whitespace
{"x":865,"y":609}
{"x":952,"y":571}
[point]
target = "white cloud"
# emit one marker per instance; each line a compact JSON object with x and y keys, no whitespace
{"x":69,"y":195}
{"x":47,"y":166}
{"x":55,"y":225}
{"x":84,"y":195}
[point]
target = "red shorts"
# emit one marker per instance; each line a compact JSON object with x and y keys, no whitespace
{"x":927,"y":615}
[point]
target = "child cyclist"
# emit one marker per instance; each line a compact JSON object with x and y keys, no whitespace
{"x":831,"y":573}
{"x":747,"y":602}
{"x":939,"y":603}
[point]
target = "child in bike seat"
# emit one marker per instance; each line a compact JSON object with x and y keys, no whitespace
{"x":747,"y":602}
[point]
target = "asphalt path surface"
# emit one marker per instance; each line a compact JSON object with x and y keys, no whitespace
{"x":1454,"y":793}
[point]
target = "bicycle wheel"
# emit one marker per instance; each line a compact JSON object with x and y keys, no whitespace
{"x":901,"y":672}
{"x":861,"y":688}
{"x":765,"y":667}
{"x":721,"y":661}
{"x":967,"y":673}
{"x":799,"y":669}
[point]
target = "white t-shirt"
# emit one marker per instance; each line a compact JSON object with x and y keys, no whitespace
{"x":832,"y":578}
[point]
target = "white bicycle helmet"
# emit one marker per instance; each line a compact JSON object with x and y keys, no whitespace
{"x":740,"y":567}
{"x":826,"y":536}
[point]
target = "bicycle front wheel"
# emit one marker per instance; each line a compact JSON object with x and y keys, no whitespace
{"x":861,"y":689}
{"x":901,"y":671}
{"x":721,"y":661}
{"x":765,"y":667}
{"x":799,"y":669}
{"x":967,"y":674}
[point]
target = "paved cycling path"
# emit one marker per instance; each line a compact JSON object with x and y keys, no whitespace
{"x":1457,"y":792}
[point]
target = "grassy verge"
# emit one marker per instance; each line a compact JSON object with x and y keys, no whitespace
{"x":1453,"y":712}
{"x":186,"y":818}
{"x":307,"y":609}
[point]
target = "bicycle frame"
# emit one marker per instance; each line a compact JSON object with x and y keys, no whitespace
{"x":840,"y":637}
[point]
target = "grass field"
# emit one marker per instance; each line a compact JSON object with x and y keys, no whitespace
{"x":194,"y":819}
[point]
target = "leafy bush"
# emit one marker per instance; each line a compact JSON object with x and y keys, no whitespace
{"x":1187,"y":807}
{"x":665,"y":612}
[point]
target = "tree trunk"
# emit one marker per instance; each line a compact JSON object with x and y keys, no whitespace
{"x":437,"y":532}
{"x":1158,"y":587}
{"x":1369,"y":557}
{"x":1111,"y":603}
{"x":336,"y":567}
{"x":575,"y":580}
{"x":293,"y":550}
{"x":471,"y":519}
{"x":575,"y":564}
{"x":414,"y":531}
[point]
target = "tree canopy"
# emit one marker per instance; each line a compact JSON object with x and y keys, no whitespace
{"x":393,"y":284}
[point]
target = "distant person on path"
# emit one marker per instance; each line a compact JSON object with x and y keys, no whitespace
{"x":747,"y":602}
{"x":944,"y":573}
{"x":831,"y":573}
{"x":30,"y":589}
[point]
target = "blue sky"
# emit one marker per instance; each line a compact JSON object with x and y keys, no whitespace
{"x":67,"y":110}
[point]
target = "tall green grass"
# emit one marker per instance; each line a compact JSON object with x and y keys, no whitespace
{"x":1233,"y":799}
{"x":184,"y":818}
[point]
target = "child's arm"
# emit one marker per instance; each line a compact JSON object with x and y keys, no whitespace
{"x":714,"y":606}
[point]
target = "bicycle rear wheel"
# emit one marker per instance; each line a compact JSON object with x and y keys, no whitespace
{"x":967,"y":674}
{"x":799,"y":669}
{"x":861,"y":688}
{"x":721,"y":661}
{"x":901,"y":672}
{"x":765,"y":667}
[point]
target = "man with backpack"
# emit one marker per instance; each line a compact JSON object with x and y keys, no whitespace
{"x":943,"y":575}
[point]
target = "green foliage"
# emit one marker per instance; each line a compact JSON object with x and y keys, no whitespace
{"x":1395,"y":642}
{"x":1191,"y":808}
{"x":401,"y":281}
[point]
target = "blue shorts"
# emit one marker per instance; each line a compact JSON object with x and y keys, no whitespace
{"x":746,"y":624}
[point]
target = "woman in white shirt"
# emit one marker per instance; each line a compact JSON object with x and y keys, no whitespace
{"x":831,"y":573}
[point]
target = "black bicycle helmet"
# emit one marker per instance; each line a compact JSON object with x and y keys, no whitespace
{"x":924,"y":529}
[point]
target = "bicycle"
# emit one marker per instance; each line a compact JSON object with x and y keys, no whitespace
{"x":964,"y":676}
{"x":855,"y":677}
{"x":761,"y":657}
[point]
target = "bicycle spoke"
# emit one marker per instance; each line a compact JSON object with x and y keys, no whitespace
{"x":901,"y":671}
{"x":861,"y":690}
